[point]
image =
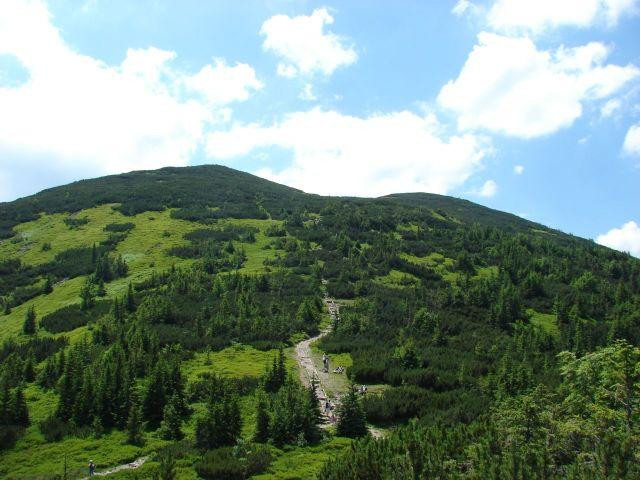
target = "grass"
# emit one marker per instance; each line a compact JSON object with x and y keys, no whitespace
{"x":445,"y":265}
{"x":235,"y":361}
{"x":546,"y":321}
{"x":51,"y":229}
{"x":256,"y":253}
{"x":144,"y":249}
{"x":298,"y":463}
{"x":396,"y":278}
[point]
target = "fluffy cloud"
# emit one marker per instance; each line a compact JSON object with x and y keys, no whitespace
{"x":221,"y":84}
{"x":509,"y":86}
{"x":77,"y":111}
{"x":465,"y":7}
{"x":632,"y":140}
{"x":304,"y":45}
{"x":518,"y":169}
{"x":488,"y":189}
{"x":338,"y":154}
{"x":611,"y":107}
{"x":307,"y":93}
{"x":625,"y":238}
{"x":539,"y":15}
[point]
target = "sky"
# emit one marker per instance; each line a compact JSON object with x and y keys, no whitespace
{"x":527,"y":107}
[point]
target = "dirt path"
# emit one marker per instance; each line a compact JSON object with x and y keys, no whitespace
{"x":328,"y":387}
{"x":127,"y":466}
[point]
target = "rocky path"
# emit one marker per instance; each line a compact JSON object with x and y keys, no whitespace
{"x":126,"y":466}
{"x":325,"y":384}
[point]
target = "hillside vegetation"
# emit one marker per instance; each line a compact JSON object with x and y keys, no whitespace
{"x":152,"y":315}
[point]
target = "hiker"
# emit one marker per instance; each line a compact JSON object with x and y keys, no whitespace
{"x":325,"y":362}
{"x":363,"y":389}
{"x":92,"y":468}
{"x":327,"y":407}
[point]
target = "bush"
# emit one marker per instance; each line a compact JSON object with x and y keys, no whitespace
{"x":71,"y":317}
{"x":53,"y":429}
{"x":231,"y":463}
{"x":8,"y":436}
{"x":119,"y":227}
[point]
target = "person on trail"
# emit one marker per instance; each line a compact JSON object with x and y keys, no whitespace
{"x":92,"y":468}
{"x":327,"y":407}
{"x":325,"y":363}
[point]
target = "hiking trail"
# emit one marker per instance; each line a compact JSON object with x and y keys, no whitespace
{"x":125,"y":466}
{"x":330,"y":386}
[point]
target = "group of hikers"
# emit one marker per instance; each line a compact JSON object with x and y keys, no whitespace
{"x":325,"y":365}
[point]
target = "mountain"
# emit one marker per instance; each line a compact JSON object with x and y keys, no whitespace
{"x":164,"y":315}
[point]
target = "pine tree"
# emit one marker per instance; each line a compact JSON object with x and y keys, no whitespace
{"x":101,"y":291}
{"x":86,"y":296}
{"x":28,"y":372}
{"x":129,"y":301}
{"x":5,"y":401}
{"x":7,"y":307}
{"x":313,"y":414}
{"x":155,"y":396}
{"x":167,"y":468}
{"x":171,"y":426}
{"x":19,"y":410}
{"x":48,"y":286}
{"x":29,"y":325}
{"x":66,"y":397}
{"x":262,"y":421}
{"x":351,"y":419}
{"x":134,"y":422}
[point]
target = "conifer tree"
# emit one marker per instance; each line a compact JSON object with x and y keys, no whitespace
{"x":313,"y":414}
{"x":7,"y":307}
{"x":86,"y":296}
{"x":351,"y":419}
{"x":171,"y":426}
{"x":155,"y":396}
{"x":167,"y":468}
{"x":129,"y":301}
{"x":262,"y":421}
{"x":29,"y":325}
{"x":48,"y":286}
{"x":134,"y":422}
{"x":19,"y":410}
{"x":28,"y":372}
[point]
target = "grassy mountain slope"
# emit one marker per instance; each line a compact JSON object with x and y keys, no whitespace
{"x":188,"y":280}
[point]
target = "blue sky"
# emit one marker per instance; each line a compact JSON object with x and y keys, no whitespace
{"x":527,"y":107}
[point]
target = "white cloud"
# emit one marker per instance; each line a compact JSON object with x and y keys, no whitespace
{"x":465,"y":7}
{"x":460,"y":7}
{"x":488,"y":189}
{"x":304,"y":45}
{"x":221,"y":84}
{"x":611,"y":107}
{"x":307,"y":93}
{"x":509,"y":86}
{"x":540,"y":15}
{"x":632,"y":140}
{"x":339,"y":154}
{"x":518,"y":169}
{"x":625,"y":238}
{"x":79,"y":112}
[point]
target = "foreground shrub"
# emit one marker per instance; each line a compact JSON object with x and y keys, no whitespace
{"x":234,"y":463}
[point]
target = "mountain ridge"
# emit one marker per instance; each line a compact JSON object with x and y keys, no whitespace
{"x":140,"y":190}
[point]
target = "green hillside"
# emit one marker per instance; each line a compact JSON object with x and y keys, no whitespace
{"x":155,"y":316}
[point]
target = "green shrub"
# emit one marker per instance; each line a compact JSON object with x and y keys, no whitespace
{"x":232,"y":463}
